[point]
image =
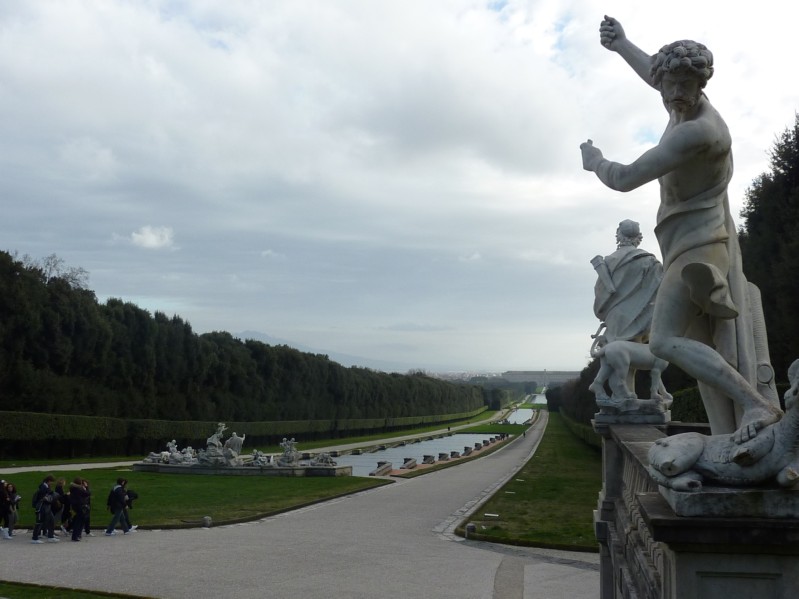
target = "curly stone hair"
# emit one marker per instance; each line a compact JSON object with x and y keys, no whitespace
{"x":628,"y":233}
{"x":682,"y":55}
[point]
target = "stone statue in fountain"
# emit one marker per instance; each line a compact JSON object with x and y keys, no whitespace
{"x":323,"y":459}
{"x":175,"y":456}
{"x":232,"y":448}
{"x":216,"y":453}
{"x":290,"y":457}
{"x":707,"y":318}
{"x":189,"y":455}
{"x":259,"y":458}
{"x":627,"y":282}
{"x":157,"y":457}
{"x":219,"y":453}
{"x":215,"y":440}
{"x":172,"y":455}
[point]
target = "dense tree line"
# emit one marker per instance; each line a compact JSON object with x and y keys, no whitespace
{"x":769,"y":238}
{"x":61,"y":351}
{"x":500,"y":392}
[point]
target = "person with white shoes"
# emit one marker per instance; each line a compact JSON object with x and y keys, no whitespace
{"x":43,"y":504}
{"x":117,"y":499}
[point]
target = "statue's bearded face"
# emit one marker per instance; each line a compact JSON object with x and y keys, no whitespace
{"x":680,"y":90}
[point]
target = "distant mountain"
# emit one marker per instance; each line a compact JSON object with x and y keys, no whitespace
{"x":343,"y":359}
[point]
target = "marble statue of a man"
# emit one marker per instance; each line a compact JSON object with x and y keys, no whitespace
{"x":627,"y":282}
{"x":702,"y":319}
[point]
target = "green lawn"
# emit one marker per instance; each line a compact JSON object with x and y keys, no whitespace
{"x":175,"y":500}
{"x":550,"y":502}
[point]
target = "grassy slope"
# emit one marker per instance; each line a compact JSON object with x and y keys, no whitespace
{"x":549,"y":502}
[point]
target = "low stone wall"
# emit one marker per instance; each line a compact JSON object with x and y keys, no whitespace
{"x":648,"y":552}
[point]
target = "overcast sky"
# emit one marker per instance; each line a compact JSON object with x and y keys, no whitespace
{"x":394,"y":179}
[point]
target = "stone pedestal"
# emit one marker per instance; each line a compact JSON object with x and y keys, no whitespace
{"x":648,"y":551}
{"x":730,"y":502}
{"x":724,"y":558}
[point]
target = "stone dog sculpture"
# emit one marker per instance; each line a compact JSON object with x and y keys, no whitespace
{"x":619,"y":358}
{"x":683,"y":462}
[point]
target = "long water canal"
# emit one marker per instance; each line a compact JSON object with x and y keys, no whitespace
{"x":365,"y":463}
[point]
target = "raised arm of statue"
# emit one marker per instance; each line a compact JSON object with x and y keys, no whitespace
{"x":612,"y":37}
{"x":679,"y":145}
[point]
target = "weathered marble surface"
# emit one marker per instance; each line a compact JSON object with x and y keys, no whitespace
{"x":685,"y":462}
{"x":290,"y":457}
{"x":705,"y":312}
{"x":627,"y":281}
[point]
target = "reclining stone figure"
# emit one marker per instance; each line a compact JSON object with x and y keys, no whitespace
{"x":684,"y":462}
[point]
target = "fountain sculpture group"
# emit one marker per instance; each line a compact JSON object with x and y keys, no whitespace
{"x":683,"y":514}
{"x":225,"y":457}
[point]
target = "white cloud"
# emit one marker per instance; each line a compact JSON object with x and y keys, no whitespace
{"x":153,"y":238}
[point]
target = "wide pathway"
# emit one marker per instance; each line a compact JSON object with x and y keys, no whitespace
{"x":395,"y":541}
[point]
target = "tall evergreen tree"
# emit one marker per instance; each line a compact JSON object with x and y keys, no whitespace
{"x":769,"y":238}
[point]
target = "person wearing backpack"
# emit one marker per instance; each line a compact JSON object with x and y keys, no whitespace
{"x":43,"y":504}
{"x":117,"y":499}
{"x":79,"y":504}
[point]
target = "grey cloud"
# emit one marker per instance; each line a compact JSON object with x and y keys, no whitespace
{"x":330,"y":171}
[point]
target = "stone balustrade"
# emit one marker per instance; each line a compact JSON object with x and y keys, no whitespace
{"x":649,"y":552}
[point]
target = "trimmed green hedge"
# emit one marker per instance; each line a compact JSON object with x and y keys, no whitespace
{"x":27,"y":432}
{"x":31,"y":426}
{"x":582,"y":431}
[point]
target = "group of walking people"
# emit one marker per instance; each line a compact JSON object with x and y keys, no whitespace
{"x":68,"y":505}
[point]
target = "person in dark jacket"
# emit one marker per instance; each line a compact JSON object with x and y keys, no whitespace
{"x":87,"y":515}
{"x":5,"y":510}
{"x":79,"y":504}
{"x":61,"y":509}
{"x":12,"y":512}
{"x":43,"y":504}
{"x":117,"y":499}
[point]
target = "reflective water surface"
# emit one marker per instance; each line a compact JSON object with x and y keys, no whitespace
{"x":520,"y":416}
{"x":363,"y":464}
